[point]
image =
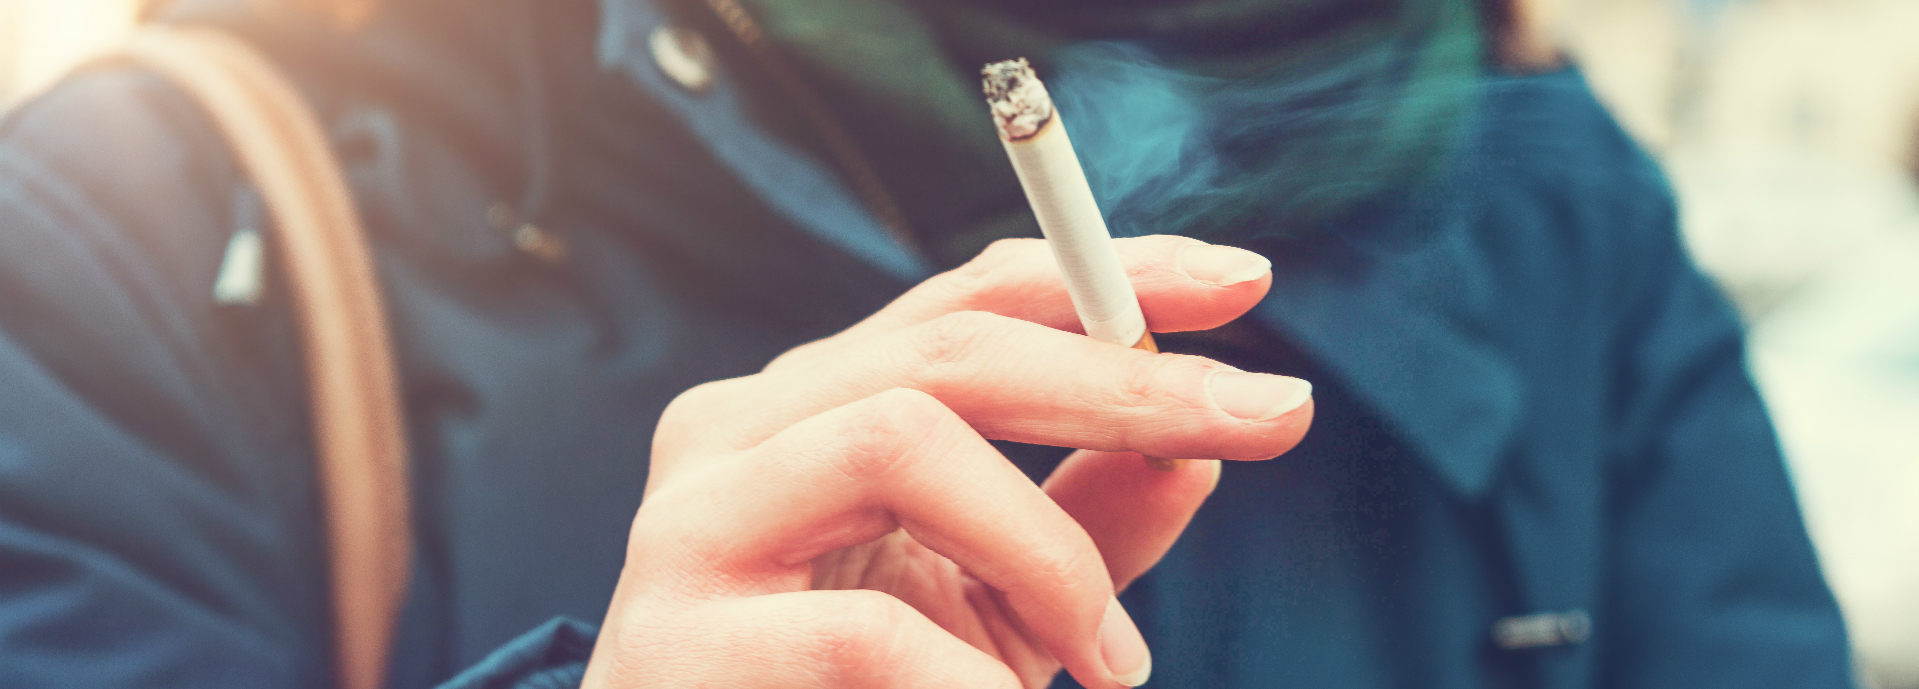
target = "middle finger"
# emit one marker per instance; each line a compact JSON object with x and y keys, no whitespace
{"x":1018,"y":381}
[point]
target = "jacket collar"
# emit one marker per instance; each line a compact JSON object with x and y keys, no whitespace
{"x":1400,"y":307}
{"x":792,"y":182}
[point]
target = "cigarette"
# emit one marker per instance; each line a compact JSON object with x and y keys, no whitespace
{"x":1035,"y":139}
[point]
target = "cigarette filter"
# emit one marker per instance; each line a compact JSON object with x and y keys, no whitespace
{"x":1035,"y":138}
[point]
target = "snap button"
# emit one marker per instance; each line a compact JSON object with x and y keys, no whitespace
{"x":1542,"y":630}
{"x":683,"y":55}
{"x":531,"y":239}
{"x":540,"y":243}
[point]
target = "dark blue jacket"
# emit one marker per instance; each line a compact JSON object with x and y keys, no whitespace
{"x":1529,"y":400}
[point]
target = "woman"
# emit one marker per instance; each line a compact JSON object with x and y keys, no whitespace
{"x":1536,"y":459}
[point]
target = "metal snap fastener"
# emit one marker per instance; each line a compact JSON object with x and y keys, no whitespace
{"x":540,"y":243}
{"x":684,"y":56}
{"x":531,"y":239}
{"x":1542,"y":630}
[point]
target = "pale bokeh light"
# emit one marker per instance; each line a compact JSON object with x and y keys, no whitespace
{"x":1787,"y":128}
{"x":43,"y":39}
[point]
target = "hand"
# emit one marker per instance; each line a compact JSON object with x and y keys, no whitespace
{"x":839,"y":519}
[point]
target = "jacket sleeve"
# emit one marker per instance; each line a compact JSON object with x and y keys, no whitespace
{"x":552,"y":656}
{"x":159,"y":518}
{"x":1713,"y":580}
{"x":157,"y":503}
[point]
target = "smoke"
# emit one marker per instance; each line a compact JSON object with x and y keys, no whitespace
{"x":1286,"y":151}
{"x":1139,"y":130}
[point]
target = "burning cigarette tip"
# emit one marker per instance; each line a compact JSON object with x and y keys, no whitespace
{"x":1020,"y":104}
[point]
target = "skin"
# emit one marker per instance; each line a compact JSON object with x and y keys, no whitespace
{"x":839,"y":520}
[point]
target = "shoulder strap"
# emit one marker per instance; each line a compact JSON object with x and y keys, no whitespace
{"x":358,"y":431}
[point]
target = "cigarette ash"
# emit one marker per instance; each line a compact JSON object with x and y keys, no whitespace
{"x":1018,"y":100}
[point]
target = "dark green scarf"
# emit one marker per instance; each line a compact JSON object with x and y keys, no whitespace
{"x":1225,"y":119}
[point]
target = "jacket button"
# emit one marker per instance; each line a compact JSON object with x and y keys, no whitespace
{"x":684,"y":56}
{"x":540,"y":243}
{"x":531,"y":239}
{"x":1542,"y":630}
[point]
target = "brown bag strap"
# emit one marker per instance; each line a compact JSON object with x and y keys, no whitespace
{"x":358,"y":431}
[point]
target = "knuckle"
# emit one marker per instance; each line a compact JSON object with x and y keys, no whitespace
{"x":857,"y":628}
{"x":691,"y":410}
{"x":697,"y":398}
{"x":879,"y":433}
{"x":707,"y":416}
{"x":956,"y":338}
{"x":909,"y":408}
{"x":1143,"y":384}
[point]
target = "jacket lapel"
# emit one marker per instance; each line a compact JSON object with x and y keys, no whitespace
{"x":1397,"y":307}
{"x":786,"y":178}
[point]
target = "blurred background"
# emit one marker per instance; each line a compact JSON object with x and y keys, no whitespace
{"x":42,"y":39}
{"x":1790,"y":130}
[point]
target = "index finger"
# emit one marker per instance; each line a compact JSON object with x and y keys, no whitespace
{"x":1182,"y":284}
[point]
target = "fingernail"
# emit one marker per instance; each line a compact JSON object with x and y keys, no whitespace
{"x":1258,"y":396}
{"x":1124,"y":650}
{"x":1222,"y":265}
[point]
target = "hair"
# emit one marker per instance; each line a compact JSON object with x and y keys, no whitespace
{"x":1518,"y":36}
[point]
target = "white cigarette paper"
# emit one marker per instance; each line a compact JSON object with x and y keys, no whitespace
{"x":1042,"y":154}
